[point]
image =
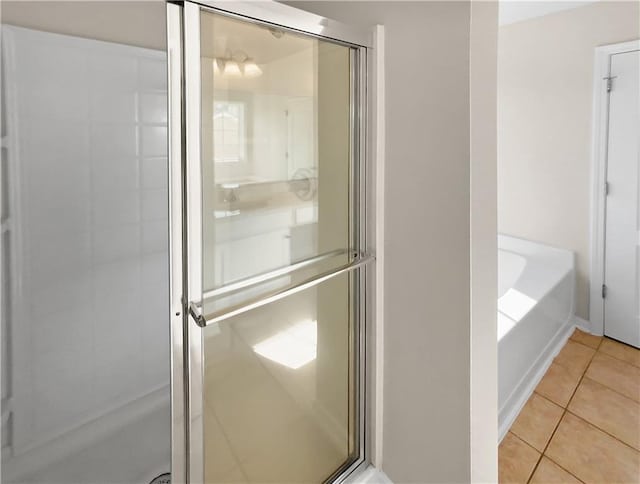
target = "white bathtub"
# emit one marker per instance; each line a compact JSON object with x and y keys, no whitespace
{"x":535,"y":317}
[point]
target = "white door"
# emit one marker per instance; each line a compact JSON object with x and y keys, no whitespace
{"x":622,"y":244}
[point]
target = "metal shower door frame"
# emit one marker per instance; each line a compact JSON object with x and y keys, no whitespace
{"x":183,"y":47}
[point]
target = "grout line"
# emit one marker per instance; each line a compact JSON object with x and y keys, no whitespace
{"x":521,"y":439}
{"x":547,"y":399}
{"x":570,"y":369}
{"x":566,"y":470}
{"x":612,"y":389}
{"x":602,"y":430}
{"x":565,"y":409}
{"x":564,"y":412}
{"x":533,"y":471}
{"x":607,"y":386}
{"x":604,"y":353}
{"x":583,"y":344}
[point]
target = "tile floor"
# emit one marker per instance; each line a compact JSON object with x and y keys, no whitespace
{"x":582,"y":424}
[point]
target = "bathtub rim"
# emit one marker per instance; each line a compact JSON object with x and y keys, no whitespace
{"x":558,"y":279}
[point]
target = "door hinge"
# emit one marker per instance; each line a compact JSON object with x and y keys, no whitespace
{"x":606,"y":188}
{"x":609,"y":80}
{"x":604,"y":291}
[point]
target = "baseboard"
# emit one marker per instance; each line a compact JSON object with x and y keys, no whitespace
{"x":78,"y":439}
{"x":530,"y":381}
{"x":585,"y":326}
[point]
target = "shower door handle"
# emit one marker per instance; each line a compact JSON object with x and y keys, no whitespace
{"x":196,"y":314}
{"x":196,"y":311}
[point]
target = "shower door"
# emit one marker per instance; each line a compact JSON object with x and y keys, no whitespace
{"x":270,"y":259}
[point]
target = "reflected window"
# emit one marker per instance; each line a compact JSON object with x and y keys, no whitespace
{"x":229,"y":132}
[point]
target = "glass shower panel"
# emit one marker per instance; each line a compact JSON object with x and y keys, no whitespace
{"x":279,"y":296}
{"x":279,"y":389}
{"x":275,"y":118}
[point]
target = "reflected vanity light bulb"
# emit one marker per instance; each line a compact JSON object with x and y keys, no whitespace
{"x":231,"y":68}
{"x":251,"y":69}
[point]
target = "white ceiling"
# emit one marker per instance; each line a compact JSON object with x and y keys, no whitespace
{"x":512,"y":11}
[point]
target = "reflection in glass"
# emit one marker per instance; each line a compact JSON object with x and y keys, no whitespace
{"x":279,"y":389}
{"x":279,"y":380}
{"x":275,"y":149}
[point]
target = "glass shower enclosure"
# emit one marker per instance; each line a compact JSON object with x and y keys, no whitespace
{"x":186,"y":255}
{"x":269,"y":247}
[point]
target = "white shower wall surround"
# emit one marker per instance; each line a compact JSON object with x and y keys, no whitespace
{"x":86,"y":145}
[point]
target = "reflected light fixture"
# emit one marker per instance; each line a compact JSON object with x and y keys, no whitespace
{"x":231,"y":69}
{"x":236,"y":64}
{"x":251,"y":69}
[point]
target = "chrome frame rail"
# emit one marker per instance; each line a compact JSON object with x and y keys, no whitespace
{"x":179,"y":449}
{"x":193,"y":232}
{"x":293,"y":19}
{"x":216,"y":317}
{"x":274,"y":274}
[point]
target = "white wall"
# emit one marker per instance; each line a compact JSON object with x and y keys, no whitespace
{"x":516,"y":11}
{"x":484,"y":364}
{"x":139,"y":23}
{"x":545,"y":94}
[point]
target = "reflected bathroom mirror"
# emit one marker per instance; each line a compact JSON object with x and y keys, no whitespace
{"x":266,"y":109}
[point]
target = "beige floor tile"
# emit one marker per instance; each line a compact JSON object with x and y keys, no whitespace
{"x":615,"y":374}
{"x":586,"y":339}
{"x":558,"y":384}
{"x":537,"y":421}
{"x":548,"y":472}
{"x":516,"y":460}
{"x":590,"y":454}
{"x":621,"y":351}
{"x":575,"y":356}
{"x":608,"y":410}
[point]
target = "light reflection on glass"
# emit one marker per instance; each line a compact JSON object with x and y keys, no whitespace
{"x":294,"y":347}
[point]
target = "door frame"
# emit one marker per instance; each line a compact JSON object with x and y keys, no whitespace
{"x":600,"y":133}
{"x":187,"y":457}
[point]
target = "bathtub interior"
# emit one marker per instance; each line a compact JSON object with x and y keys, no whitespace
{"x":511,"y":267}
